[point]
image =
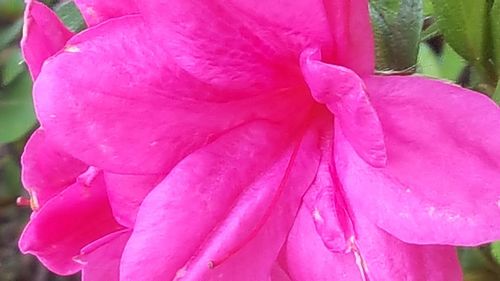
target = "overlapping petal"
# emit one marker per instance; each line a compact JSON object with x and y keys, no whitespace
{"x":126,"y":193}
{"x":140,"y":113}
{"x":97,"y":11}
{"x":43,"y":35}
{"x":308,"y":258}
{"x":441,"y":182}
{"x":352,"y":35}
{"x":195,"y":197}
{"x":246,"y":244}
{"x":101,"y":258}
{"x":210,"y":27}
{"x":46,"y":170}
{"x":343,"y":92}
{"x":380,"y":256}
{"x":66,"y":223}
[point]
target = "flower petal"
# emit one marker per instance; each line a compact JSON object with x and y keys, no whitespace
{"x":246,"y":244}
{"x":343,"y":92}
{"x":352,"y":34}
{"x":97,"y":11}
{"x":102,"y":257}
{"x":383,"y":257}
{"x":195,"y":197}
{"x":139,"y":113}
{"x":65,"y":224}
{"x":307,"y":257}
{"x":325,"y":201}
{"x":47,"y":170}
{"x":210,"y":27}
{"x":43,"y":35}
{"x":443,"y":150}
{"x":126,"y":193}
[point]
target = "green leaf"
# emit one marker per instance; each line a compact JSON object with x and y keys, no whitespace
{"x":11,"y":9}
{"x":463,"y":23}
{"x":13,"y":67}
{"x":428,"y":62}
{"x":428,"y":10}
{"x":430,"y":32}
{"x":71,"y":16}
{"x":10,"y":175}
{"x":495,"y":251}
{"x":451,"y":64}
{"x":496,"y":98}
{"x":17,"y":116}
{"x":10,"y":33}
{"x":495,"y":33}
{"x":397,"y":25}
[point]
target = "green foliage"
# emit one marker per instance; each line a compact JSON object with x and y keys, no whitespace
{"x":11,"y":9}
{"x":397,"y":26}
{"x":13,"y":66}
{"x":447,"y":65}
{"x":10,"y":33}
{"x":495,"y":251}
{"x":471,"y":29}
{"x":463,"y":23}
{"x":71,"y":16}
{"x":495,"y":33}
{"x":16,"y":109}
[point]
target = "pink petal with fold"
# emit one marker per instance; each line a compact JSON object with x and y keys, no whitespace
{"x":443,"y":150}
{"x":246,"y":243}
{"x":102,"y":257}
{"x":43,"y":36}
{"x":307,"y":257}
{"x":139,"y":113}
{"x":195,"y":197}
{"x":343,"y":92}
{"x":97,"y":11}
{"x":47,"y":170}
{"x":126,"y":193}
{"x":383,"y":257}
{"x":65,"y":224}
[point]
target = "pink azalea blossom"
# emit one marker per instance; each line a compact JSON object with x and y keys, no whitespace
{"x":248,"y":140}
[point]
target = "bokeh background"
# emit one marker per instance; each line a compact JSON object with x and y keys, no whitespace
{"x":17,"y":120}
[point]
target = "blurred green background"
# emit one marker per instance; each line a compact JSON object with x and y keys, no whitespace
{"x":400,"y":49}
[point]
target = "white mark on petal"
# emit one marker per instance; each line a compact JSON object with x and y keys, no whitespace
{"x":408,"y":190}
{"x":317,"y":216}
{"x":360,"y":261}
{"x":180,"y":273}
{"x":431,"y":210}
{"x":72,"y":49}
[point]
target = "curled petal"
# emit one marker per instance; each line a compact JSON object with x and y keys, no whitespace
{"x":343,"y":92}
{"x":43,"y":35}
{"x":443,"y":150}
{"x":69,"y":221}
{"x":47,"y":170}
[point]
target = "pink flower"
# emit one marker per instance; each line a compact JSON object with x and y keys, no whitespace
{"x":250,"y":140}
